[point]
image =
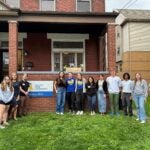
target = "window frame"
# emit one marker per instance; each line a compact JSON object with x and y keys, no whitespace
{"x":40,"y":6}
{"x":11,"y":5}
{"x":67,"y":50}
{"x":90,"y":1}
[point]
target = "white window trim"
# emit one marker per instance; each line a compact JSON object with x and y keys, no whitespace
{"x":69,"y":50}
{"x":12,"y":6}
{"x":47,"y":10}
{"x":84,"y":0}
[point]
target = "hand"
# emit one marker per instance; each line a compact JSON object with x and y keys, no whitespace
{"x":26,"y":93}
{"x":104,"y":95}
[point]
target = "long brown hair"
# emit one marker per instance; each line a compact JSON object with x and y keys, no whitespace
{"x":135,"y":80}
{"x":4,"y":84}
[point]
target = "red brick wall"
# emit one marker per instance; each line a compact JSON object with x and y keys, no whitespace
{"x":47,"y":104}
{"x":111,"y":46}
{"x":62,"y":5}
{"x":32,"y":5}
{"x":66,"y":5}
{"x":13,"y":46}
{"x":91,"y":53}
{"x":39,"y":49}
{"x":98,"y":6}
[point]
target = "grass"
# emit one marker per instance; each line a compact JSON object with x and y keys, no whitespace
{"x":48,"y":131}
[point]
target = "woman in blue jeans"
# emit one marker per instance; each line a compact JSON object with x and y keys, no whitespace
{"x":91,"y":91}
{"x":140,"y":93}
{"x":60,"y":89}
{"x":101,"y":94}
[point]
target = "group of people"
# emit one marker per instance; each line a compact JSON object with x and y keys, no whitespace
{"x":75,"y":90}
{"x":13,"y":95}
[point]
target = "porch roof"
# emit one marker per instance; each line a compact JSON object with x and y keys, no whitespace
{"x":57,"y":17}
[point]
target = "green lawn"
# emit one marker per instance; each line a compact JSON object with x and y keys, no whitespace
{"x":48,"y":131}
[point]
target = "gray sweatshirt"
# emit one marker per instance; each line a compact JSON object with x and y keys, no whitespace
{"x":6,"y":96}
{"x":140,"y":88}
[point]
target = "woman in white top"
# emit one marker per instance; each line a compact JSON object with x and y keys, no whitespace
{"x":6,"y":95}
{"x":102,"y":91}
{"x":127,"y":87}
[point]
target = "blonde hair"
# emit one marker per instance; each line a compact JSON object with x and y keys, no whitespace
{"x":4,"y":84}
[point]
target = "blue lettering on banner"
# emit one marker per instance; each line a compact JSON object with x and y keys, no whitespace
{"x":41,"y":94}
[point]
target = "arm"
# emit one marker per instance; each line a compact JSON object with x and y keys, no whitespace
{"x":55,"y":86}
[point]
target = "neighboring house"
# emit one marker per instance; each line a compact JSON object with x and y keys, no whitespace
{"x":42,"y":37}
{"x":133,"y":42}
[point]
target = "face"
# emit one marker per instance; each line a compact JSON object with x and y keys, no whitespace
{"x":90,"y":80}
{"x":61,"y":74}
{"x":112,"y":72}
{"x":70,"y":75}
{"x":137,"y":76}
{"x":14,"y":76}
{"x":126,"y":76}
{"x":79,"y":76}
{"x":24,"y":77}
{"x":7,"y":79}
{"x":101,"y":77}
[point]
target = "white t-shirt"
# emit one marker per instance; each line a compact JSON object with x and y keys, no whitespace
{"x":127,"y":86}
{"x":114,"y":84}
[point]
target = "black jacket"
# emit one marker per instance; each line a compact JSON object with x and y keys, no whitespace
{"x":91,"y":89}
{"x":105,"y":87}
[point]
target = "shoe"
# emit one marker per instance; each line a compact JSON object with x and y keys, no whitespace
{"x":61,"y":113}
{"x":57,"y":113}
{"x":81,"y":112}
{"x":91,"y":112}
{"x":78,"y":113}
{"x":15,"y":119}
{"x":143,"y":121}
{"x":6,"y":124}
{"x":111,"y":114}
{"x":137,"y":119}
{"x":73,"y":113}
{"x":2,"y":127}
{"x":117,"y":114}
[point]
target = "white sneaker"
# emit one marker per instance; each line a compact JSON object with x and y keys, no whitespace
{"x":81,"y":112}
{"x":6,"y":124}
{"x":93,"y":112}
{"x":137,"y":119}
{"x":78,"y":113}
{"x":143,"y":121}
{"x":2,"y":127}
{"x":57,"y":113}
{"x":61,"y":113}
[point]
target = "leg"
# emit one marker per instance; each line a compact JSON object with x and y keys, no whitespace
{"x":73,"y":101}
{"x":58,"y":100}
{"x":68,"y":98}
{"x":99,"y":103}
{"x":63,"y":101}
{"x":78,"y":101}
{"x":5,"y":114}
{"x":2,"y":110}
{"x":90,"y":102}
{"x":103,"y":103}
{"x":136,"y":100}
{"x":129,"y":104}
{"x":15,"y":113}
{"x":124,"y":103}
{"x":116,"y":103}
{"x":142,"y":108}
{"x":111,"y":97}
{"x":93,"y":102}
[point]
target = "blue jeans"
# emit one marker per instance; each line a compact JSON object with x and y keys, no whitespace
{"x":101,"y":101}
{"x":60,"y":97}
{"x":139,"y":101}
{"x":92,"y":102}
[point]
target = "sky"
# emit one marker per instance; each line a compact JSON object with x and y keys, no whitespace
{"x":134,"y":4}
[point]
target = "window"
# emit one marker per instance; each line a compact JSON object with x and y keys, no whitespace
{"x":83,"y":5}
{"x":47,"y":5}
{"x":118,"y":51}
{"x":13,"y":3}
{"x":68,"y":54}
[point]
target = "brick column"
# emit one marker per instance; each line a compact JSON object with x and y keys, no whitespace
{"x":111,"y":48}
{"x":13,"y":46}
{"x":102,"y":53}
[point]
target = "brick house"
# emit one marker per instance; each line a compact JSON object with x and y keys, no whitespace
{"x":133,"y":42}
{"x":42,"y":37}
